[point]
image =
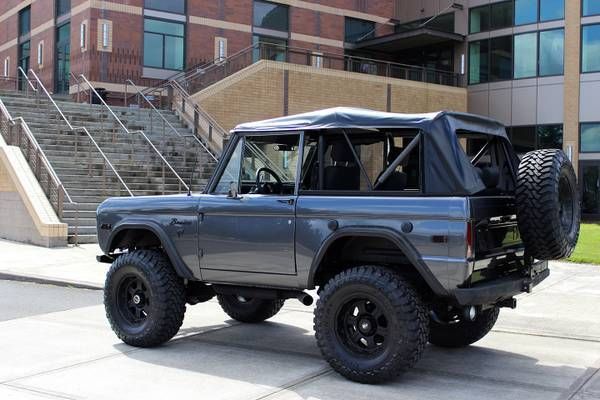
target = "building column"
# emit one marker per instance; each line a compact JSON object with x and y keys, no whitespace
{"x":571,"y":77}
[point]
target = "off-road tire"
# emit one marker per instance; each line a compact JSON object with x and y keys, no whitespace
{"x":406,"y":319}
{"x":548,"y":209}
{"x":166,"y":298}
{"x":251,"y":310}
{"x":463,"y":333}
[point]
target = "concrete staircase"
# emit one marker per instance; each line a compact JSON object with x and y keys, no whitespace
{"x":84,"y":172}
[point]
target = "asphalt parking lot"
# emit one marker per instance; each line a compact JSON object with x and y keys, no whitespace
{"x":55,"y":343}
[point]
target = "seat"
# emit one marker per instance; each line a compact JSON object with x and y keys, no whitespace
{"x":344,"y":174}
{"x":490,"y":176}
{"x":397,"y":180}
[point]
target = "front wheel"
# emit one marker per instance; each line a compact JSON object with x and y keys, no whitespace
{"x":370,"y":324}
{"x":144,"y":298}
{"x":463,"y":333}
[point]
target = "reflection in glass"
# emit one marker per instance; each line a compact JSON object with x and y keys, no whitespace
{"x":591,"y":7}
{"x":525,"y":58}
{"x":271,"y":16}
{"x":589,"y":139}
{"x":525,"y":12}
{"x":552,"y":52}
{"x":552,"y":9}
{"x":478,"y":61}
{"x":501,"y":58}
{"x":590,"y":51}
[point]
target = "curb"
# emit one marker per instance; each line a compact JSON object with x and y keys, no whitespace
{"x":49,"y":281}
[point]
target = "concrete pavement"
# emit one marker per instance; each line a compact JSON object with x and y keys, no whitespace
{"x":548,"y":348}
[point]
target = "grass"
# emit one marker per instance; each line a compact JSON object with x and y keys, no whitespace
{"x":588,"y":246}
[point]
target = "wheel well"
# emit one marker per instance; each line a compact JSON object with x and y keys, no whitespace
{"x":350,"y":251}
{"x":135,"y":239}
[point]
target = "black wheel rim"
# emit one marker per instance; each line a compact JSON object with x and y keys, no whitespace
{"x":362,"y":326}
{"x":566,"y":203}
{"x":133,"y":300}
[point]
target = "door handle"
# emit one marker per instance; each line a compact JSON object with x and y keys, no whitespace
{"x":287,"y":201}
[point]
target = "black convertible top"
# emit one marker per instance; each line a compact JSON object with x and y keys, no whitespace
{"x":447,"y":170}
{"x":353,"y":118}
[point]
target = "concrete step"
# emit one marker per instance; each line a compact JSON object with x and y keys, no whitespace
{"x":83,"y":239}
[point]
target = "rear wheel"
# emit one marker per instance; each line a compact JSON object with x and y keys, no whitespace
{"x":370,"y":324}
{"x":462,"y":333}
{"x":144,"y":298}
{"x":246,"y":309}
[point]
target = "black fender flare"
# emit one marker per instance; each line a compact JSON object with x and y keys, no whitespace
{"x":386,"y":233}
{"x":182,"y":270}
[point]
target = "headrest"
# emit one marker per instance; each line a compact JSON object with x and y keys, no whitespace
{"x":490,"y":176}
{"x":341,"y":152}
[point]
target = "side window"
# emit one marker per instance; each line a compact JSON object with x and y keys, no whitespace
{"x":368,"y":163}
{"x":269,"y":164}
{"x":231,"y":175}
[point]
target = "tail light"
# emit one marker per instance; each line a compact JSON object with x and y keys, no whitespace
{"x":469,"y":239}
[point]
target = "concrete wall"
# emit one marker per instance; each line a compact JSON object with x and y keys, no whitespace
{"x":270,"y":89}
{"x":25,"y":213}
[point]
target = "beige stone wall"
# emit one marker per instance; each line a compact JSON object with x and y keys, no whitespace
{"x":571,"y":85}
{"x":25,"y":213}
{"x":258,"y":92}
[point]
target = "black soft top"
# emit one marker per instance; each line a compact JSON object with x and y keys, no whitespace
{"x":447,"y":170}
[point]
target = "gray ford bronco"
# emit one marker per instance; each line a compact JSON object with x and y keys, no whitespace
{"x":413,"y":228}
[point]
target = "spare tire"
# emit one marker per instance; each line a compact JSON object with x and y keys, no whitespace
{"x":548,"y":209}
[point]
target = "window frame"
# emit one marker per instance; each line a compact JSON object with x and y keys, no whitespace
{"x":163,"y":42}
{"x":287,"y":7}
{"x":583,"y":26}
{"x":513,"y":24}
{"x":581,"y":124}
{"x":539,"y":43}
{"x":185,"y":8}
{"x":378,"y":193}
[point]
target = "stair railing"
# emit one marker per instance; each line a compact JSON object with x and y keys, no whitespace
{"x":165,"y":121}
{"x":75,"y":130}
{"x":165,"y":163}
{"x":29,"y":83}
{"x":78,"y":83}
{"x":16,"y":132}
{"x":194,"y":115}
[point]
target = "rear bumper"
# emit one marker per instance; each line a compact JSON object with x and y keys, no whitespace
{"x":501,"y":289}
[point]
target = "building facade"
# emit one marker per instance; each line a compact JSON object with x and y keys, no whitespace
{"x":532,"y":64}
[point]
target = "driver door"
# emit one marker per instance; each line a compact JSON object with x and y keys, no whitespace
{"x":247,"y":225}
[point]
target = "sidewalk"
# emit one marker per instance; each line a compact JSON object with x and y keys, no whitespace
{"x":70,"y":266}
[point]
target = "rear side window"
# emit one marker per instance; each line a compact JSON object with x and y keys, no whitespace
{"x":361,"y":161}
{"x":488,"y":157}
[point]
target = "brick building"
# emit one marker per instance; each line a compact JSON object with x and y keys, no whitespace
{"x":532,"y":64}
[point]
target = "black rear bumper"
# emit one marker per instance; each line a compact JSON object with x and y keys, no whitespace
{"x":501,"y":289}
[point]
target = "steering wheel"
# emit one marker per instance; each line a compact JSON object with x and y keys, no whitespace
{"x":267,"y":187}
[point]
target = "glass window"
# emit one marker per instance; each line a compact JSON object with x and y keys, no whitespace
{"x":552,"y":9}
{"x":525,"y":11}
{"x":501,"y":15}
{"x":552,"y":52}
{"x":590,"y":52}
{"x":478,"y":61}
{"x":271,"y":16}
{"x":358,"y":29}
{"x":501,"y":58}
{"x":589,"y":137}
{"x":590,"y":186}
{"x":479,"y":19}
{"x":525,"y":55}
{"x":231,"y":175}
{"x":550,"y":136}
{"x":63,"y":7}
{"x":164,"y":45}
{"x":444,"y":23}
{"x":172,"y":6}
{"x":523,"y":138}
{"x":24,"y":21}
{"x":591,"y":7}
{"x":272,"y":162}
{"x":167,"y":28}
{"x":273,"y":49}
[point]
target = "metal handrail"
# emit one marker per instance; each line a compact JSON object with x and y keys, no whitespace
{"x":33,"y":140}
{"x":51,"y":174}
{"x":131,"y":132}
{"x":26,"y":78}
{"x":130,"y":82}
{"x":83,"y":129}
